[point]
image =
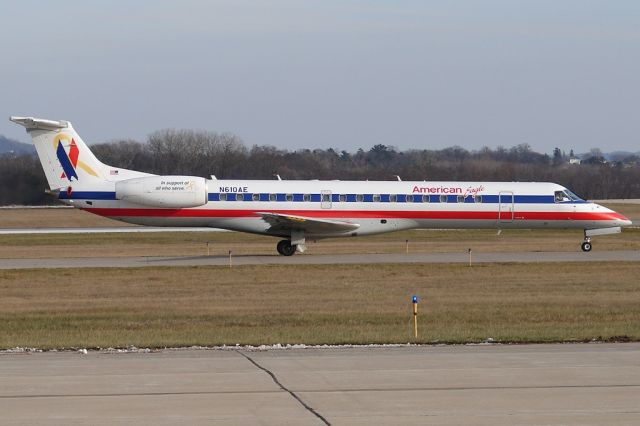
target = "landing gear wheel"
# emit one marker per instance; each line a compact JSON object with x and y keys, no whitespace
{"x":586,"y":246}
{"x":285,"y":248}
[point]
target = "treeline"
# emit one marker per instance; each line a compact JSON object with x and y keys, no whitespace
{"x":225,"y":156}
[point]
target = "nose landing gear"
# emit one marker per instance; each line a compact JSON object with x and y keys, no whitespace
{"x":588,"y":233}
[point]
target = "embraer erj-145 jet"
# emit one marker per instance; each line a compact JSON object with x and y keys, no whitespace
{"x":298,"y":210}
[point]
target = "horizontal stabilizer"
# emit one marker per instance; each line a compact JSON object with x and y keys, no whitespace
{"x":31,"y":123}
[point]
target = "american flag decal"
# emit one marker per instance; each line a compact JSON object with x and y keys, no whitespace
{"x":113,"y":172}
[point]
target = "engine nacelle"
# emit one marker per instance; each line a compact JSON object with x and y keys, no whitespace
{"x":164,"y":191}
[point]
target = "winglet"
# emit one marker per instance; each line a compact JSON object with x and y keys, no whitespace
{"x":31,"y":123}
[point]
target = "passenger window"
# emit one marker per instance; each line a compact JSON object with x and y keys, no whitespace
{"x":443,"y":198}
{"x":272,"y":197}
{"x":223,"y":197}
{"x":342,"y":198}
{"x":376,"y":198}
{"x":359,"y":198}
{"x":460,"y":198}
{"x":393,"y":198}
{"x":409,"y":198}
{"x":289,"y":197}
{"x":306,"y":197}
{"x":326,"y":197}
{"x":256,"y":197}
{"x":477,"y":199}
{"x":425,"y":198}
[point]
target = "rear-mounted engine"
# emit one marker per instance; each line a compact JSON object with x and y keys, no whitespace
{"x":164,"y":191}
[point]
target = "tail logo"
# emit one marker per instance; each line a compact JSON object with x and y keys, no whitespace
{"x":68,"y":161}
{"x":69,"y":158}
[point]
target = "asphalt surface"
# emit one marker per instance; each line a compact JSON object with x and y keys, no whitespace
{"x":313,"y":259}
{"x":569,"y":384}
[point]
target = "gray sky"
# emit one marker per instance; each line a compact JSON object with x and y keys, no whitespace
{"x":329,"y":73}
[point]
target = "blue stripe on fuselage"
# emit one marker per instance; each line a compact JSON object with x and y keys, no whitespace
{"x":350,"y":198}
{"x":87,"y":195}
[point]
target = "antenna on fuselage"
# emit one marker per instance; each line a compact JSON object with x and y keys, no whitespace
{"x":278,"y":176}
{"x":398,"y":177}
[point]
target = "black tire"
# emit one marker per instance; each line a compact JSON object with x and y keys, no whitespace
{"x":285,"y":248}
{"x":586,"y":246}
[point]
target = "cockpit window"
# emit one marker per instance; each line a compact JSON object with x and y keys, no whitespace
{"x":573,"y":196}
{"x":564,"y":196}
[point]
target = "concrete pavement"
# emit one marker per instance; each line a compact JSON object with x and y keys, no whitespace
{"x":569,"y":384}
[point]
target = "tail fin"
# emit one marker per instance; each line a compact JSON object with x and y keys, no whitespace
{"x":64,"y":156}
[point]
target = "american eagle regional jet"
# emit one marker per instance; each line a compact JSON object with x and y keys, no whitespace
{"x":299,"y":210}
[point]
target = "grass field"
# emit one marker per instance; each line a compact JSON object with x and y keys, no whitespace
{"x":318,"y":304}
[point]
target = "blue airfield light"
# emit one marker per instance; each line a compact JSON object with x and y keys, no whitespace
{"x":414,"y":299}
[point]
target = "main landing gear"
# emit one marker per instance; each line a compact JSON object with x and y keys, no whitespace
{"x":285,"y":248}
{"x":586,"y":245}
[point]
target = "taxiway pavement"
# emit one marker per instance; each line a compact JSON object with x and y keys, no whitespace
{"x":313,"y":259}
{"x":569,"y":384}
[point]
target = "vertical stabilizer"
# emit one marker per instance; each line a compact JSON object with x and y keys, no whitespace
{"x":65,"y":158}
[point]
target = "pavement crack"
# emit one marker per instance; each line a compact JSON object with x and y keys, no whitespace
{"x":284,"y":388}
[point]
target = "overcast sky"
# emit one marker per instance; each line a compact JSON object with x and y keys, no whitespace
{"x":328,"y":73}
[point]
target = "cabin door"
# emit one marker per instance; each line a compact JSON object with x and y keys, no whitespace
{"x":506,"y":208}
{"x":325,"y":199}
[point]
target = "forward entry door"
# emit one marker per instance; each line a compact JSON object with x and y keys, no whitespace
{"x":506,"y":207}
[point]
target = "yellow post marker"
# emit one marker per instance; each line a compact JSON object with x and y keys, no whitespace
{"x":414,"y":300}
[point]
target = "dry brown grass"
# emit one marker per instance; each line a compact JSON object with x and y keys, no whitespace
{"x":318,"y":304}
{"x":53,"y":218}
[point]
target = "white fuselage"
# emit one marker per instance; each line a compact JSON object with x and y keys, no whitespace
{"x":376,"y":206}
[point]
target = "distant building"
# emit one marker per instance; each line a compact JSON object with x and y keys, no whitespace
{"x":574,"y":160}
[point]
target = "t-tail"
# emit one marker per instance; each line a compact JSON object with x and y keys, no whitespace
{"x":67,"y":161}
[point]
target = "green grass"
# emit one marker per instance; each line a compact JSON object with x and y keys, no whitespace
{"x":318,"y":304}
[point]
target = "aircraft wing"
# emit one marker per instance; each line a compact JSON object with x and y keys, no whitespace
{"x":309,"y":225}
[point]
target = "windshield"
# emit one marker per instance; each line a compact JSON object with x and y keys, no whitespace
{"x":573,"y":196}
{"x":566,"y":195}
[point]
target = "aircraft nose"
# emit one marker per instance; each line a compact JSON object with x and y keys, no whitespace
{"x":623,"y":220}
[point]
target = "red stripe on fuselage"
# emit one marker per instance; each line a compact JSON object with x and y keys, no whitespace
{"x":356,"y":214}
